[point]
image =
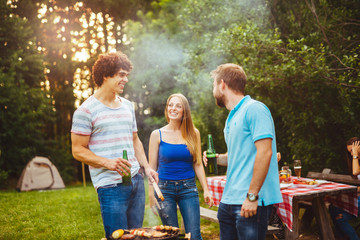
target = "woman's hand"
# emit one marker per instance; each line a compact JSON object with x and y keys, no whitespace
{"x":355,"y":148}
{"x":152,"y":175}
{"x":208,"y":198}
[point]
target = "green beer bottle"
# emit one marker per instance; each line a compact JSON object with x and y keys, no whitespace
{"x":126,"y":179}
{"x":211,"y":156}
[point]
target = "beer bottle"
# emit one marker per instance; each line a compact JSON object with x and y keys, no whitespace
{"x":126,"y":179}
{"x":211,"y":156}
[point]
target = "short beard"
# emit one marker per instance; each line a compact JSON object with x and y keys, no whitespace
{"x":220,"y":100}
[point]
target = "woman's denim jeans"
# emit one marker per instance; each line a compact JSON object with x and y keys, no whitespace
{"x":185,"y":194}
{"x":122,"y":206}
{"x":234,"y":227}
{"x":341,"y":220}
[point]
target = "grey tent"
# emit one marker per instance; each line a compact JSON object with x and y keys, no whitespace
{"x":40,"y":174}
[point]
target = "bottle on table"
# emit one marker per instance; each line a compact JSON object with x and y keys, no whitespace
{"x":288,"y":169}
{"x":126,"y":179}
{"x":211,"y":156}
{"x":285,"y":174}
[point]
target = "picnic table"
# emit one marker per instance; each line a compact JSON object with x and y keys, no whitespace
{"x":341,"y":195}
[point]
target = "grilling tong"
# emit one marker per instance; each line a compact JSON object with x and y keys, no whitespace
{"x":157,"y":190}
{"x":159,"y":205}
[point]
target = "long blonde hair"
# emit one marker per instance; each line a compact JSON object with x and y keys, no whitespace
{"x":187,"y":127}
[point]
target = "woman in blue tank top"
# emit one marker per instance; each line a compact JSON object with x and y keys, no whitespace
{"x":175,"y":151}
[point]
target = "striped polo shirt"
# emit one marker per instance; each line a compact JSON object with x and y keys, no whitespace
{"x":111,"y":131}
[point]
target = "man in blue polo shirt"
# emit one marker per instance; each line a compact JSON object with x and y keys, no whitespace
{"x":252,"y":184}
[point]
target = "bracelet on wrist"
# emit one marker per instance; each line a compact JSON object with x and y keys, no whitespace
{"x":355,"y":157}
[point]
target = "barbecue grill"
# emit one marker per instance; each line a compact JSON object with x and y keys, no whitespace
{"x":171,"y":235}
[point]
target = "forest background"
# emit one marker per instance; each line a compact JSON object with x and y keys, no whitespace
{"x":301,"y":58}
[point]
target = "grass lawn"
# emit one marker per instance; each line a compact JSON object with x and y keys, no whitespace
{"x":70,"y":213}
{"x":74,"y":213}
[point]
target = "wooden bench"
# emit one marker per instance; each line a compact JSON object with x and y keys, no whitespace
{"x":340,"y":178}
{"x":326,"y":174}
{"x":211,"y":215}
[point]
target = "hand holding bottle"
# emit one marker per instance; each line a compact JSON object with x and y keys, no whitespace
{"x":211,"y":156}
{"x":126,"y":179}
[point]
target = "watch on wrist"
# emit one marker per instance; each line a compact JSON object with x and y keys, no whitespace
{"x":355,"y":157}
{"x":252,"y":197}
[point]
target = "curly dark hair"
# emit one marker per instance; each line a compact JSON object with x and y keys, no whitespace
{"x":108,"y":64}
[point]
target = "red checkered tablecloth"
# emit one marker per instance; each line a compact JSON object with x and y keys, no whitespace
{"x":216,"y":187}
{"x":346,"y":201}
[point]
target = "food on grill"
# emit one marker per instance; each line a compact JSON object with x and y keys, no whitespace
{"x":166,"y":228}
{"x":160,"y":232}
{"x":141,"y":233}
{"x":157,"y":234}
{"x":160,"y":227}
{"x":127,"y":237}
{"x":117,"y":234}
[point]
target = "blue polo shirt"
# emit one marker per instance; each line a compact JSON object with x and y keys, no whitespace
{"x":248,"y":122}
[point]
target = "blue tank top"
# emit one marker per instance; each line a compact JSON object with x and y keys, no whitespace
{"x":175,"y":161}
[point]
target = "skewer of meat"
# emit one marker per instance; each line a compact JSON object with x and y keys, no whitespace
{"x":141,"y":233}
{"x":159,"y":228}
{"x":166,"y":228}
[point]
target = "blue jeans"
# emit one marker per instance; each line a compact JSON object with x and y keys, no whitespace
{"x":341,"y":222}
{"x":233,"y":226}
{"x":122,"y":206}
{"x":185,"y":194}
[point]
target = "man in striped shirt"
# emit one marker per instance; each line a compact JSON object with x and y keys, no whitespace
{"x":103,"y":126}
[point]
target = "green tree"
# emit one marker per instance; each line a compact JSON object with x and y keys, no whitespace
{"x":324,"y":42}
{"x":298,"y":63}
{"x":24,"y":107}
{"x":190,"y":29}
{"x":70,"y":35}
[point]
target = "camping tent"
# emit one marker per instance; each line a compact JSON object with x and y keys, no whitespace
{"x":40,"y":174}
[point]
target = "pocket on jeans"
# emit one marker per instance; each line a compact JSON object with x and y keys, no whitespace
{"x":190,"y":184}
{"x":108,"y":186}
{"x":162,"y":185}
